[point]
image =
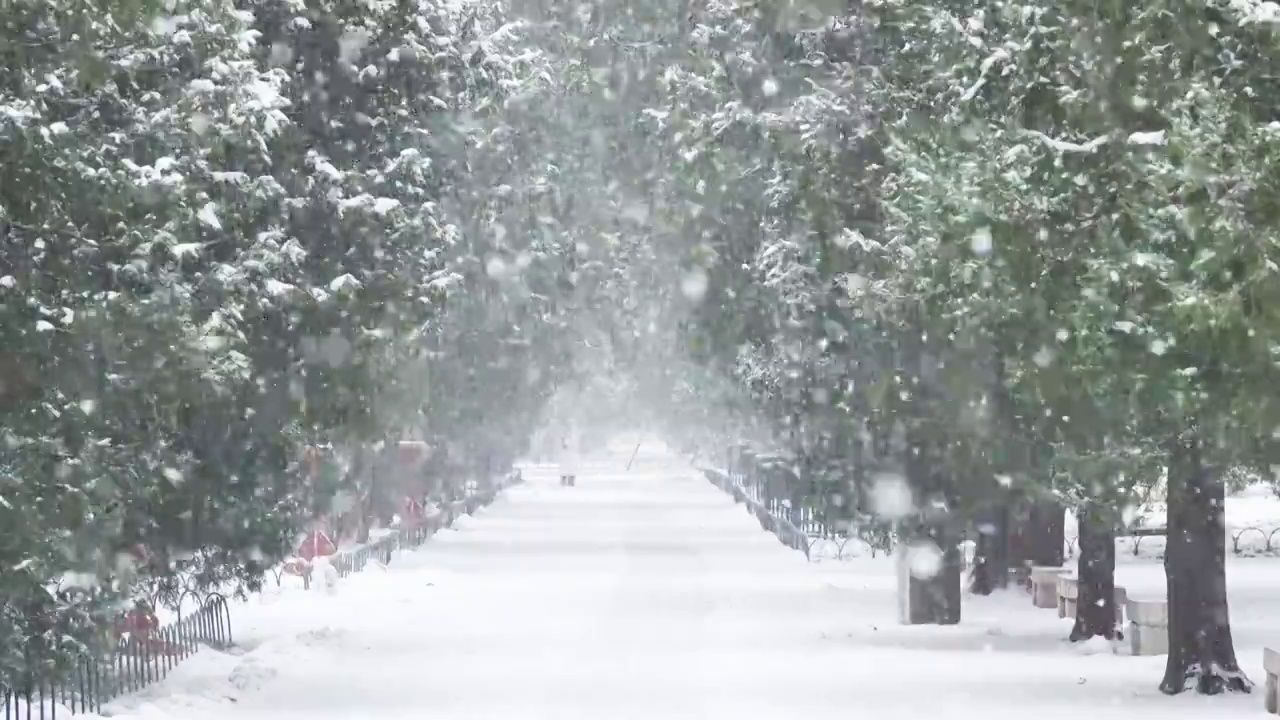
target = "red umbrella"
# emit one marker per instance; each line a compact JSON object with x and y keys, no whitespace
{"x":414,"y":509}
{"x":316,"y":544}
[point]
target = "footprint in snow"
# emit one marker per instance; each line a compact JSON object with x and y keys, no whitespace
{"x":319,"y":636}
{"x":250,"y":675}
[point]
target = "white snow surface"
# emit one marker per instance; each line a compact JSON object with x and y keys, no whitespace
{"x":650,"y":594}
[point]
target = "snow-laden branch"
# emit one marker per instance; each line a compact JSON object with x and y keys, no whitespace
{"x":1066,"y":146}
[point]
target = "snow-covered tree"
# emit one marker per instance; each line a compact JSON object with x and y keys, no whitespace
{"x":1080,"y":188}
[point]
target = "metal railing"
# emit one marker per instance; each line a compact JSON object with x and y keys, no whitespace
{"x":773,"y":481}
{"x":781,"y":526}
{"x":139,"y":660}
{"x":803,"y":513}
{"x":347,"y":562}
{"x":136,"y":661}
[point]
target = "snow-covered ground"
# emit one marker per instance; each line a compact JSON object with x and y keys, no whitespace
{"x":1252,"y":519}
{"x":649,"y":594}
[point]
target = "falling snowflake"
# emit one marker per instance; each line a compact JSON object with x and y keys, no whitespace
{"x":208,"y":216}
{"x":924,"y":559}
{"x":694,"y":284}
{"x":891,"y":497}
{"x":981,"y":241}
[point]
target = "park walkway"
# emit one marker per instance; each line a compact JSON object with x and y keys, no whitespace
{"x":642,"y":593}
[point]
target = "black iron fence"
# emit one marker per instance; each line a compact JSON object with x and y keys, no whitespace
{"x":775,"y":481}
{"x":1248,"y":541}
{"x":784,"y":529}
{"x":805,"y":514}
{"x":139,"y":659}
{"x":412,"y":536}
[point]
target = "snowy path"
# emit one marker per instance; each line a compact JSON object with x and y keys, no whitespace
{"x":642,"y":594}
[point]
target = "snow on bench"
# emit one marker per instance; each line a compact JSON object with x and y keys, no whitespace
{"x":1271,"y":664}
{"x":1044,"y":586}
{"x":1148,"y":626}
{"x":1069,"y":595}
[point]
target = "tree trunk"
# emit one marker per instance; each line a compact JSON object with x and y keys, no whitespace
{"x":991,"y":557}
{"x":1200,"y":645}
{"x":1039,"y":536}
{"x":932,"y":599}
{"x":366,"y":463}
{"x":1046,"y":526}
{"x":932,"y":581}
{"x":1095,"y":604}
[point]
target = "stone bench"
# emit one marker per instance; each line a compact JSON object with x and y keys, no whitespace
{"x":1271,"y":665}
{"x":1148,"y":626}
{"x":1044,"y":586}
{"x":1069,"y":594}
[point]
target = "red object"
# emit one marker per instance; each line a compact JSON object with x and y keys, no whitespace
{"x":316,"y":544}
{"x":413,"y":509}
{"x":139,"y":621}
